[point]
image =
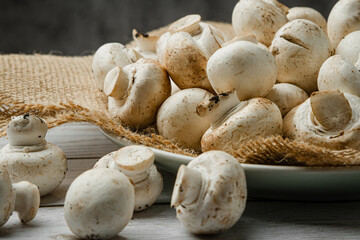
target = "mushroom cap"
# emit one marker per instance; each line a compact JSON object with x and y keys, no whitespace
{"x":222,"y":196}
{"x":343,"y":19}
{"x":303,"y":124}
{"x":99,"y":203}
{"x":349,"y":46}
{"x":177,"y":119}
{"x":337,"y":72}
{"x":300,"y":48}
{"x":243,"y":66}
{"x":7,"y":196}
{"x":109,"y":56}
{"x":161,"y":46}
{"x":27,"y":200}
{"x":286,"y":96}
{"x":308,"y":14}
{"x":137,"y":163}
{"x":45,"y":168}
{"x":189,"y":24}
{"x":185,"y":62}
{"x":26,"y":130}
{"x":250,"y":119}
{"x":148,"y":87}
{"x":258,"y":17}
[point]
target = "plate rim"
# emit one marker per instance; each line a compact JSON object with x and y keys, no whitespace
{"x":246,"y":166}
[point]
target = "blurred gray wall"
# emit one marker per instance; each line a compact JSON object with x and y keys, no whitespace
{"x":80,"y":27}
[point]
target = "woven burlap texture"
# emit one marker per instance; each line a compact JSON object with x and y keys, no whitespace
{"x":62,"y":89}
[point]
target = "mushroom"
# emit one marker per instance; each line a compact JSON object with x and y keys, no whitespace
{"x":258,"y":17}
{"x":308,"y":14}
{"x":249,"y":38}
{"x":28,"y":157}
{"x":243,"y":66}
{"x":283,"y":7}
{"x":349,"y":46}
{"x":234,"y":122}
{"x":145,"y":44}
{"x":337,"y":72}
{"x":191,"y":24}
{"x":99,"y":203}
{"x":343,"y":19}
{"x":22,"y":197}
{"x":177,"y":119}
{"x":328,"y":118}
{"x":286,"y":96}
{"x":136,"y":92}
{"x":210,"y":193}
{"x":185,"y":58}
{"x":300,"y":48}
{"x":137,"y":163}
{"x":109,"y":56}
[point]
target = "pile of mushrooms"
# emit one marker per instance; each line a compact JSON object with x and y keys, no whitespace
{"x":207,"y":90}
{"x":275,"y":58}
{"x":220,"y":90}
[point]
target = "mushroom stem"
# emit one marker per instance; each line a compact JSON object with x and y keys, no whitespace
{"x":117,"y":84}
{"x":331,"y":109}
{"x":134,"y":163}
{"x":27,"y":200}
{"x":144,"y":41}
{"x":218,"y":106}
{"x":209,"y":41}
{"x":187,"y":186}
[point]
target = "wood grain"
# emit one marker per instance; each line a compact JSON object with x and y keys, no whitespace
{"x":261,"y":220}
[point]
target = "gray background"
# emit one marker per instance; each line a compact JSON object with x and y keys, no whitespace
{"x":80,"y":27}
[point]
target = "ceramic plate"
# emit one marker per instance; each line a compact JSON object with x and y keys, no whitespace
{"x":279,"y":182}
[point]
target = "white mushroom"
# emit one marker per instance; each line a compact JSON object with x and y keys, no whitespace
{"x":99,"y":203}
{"x":28,"y":157}
{"x":234,"y":122}
{"x":185,"y":58}
{"x":22,"y":197}
{"x":109,"y":56}
{"x":286,"y":96}
{"x":343,"y":19}
{"x":259,"y":17}
{"x":249,"y":38}
{"x":337,"y":72}
{"x":137,"y":163}
{"x":136,"y":92}
{"x":243,"y":66}
{"x":177,"y":119}
{"x":300,"y":48}
{"x":330,"y":119}
{"x":349,"y":46}
{"x":189,"y":24}
{"x":145,"y":44}
{"x":210,"y":193}
{"x":308,"y":14}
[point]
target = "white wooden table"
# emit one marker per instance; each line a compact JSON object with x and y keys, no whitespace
{"x":263,"y":219}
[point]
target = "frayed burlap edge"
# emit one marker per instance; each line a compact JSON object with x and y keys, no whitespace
{"x":65,"y":113}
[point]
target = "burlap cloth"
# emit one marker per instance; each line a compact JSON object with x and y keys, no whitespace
{"x":62,"y":89}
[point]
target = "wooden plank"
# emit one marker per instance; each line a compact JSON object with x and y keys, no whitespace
{"x":261,"y":220}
